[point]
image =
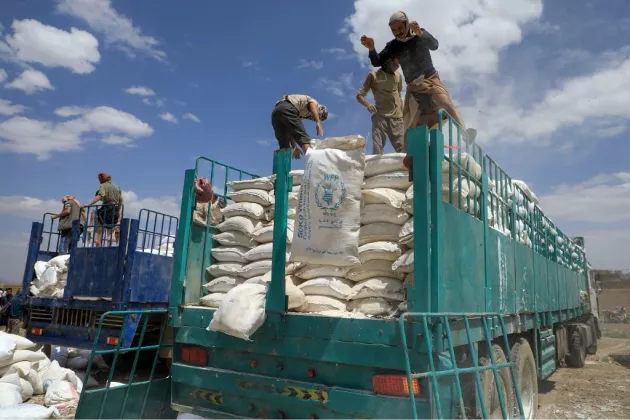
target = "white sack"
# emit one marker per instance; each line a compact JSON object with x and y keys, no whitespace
{"x":382,"y":213}
{"x":213,"y":300}
{"x":408,"y":204}
{"x":327,"y":286}
{"x":23,"y":355}
{"x":297,"y":175}
{"x":380,"y":164}
{"x":241,"y":312}
{"x":60,"y":262}
{"x":316,"y":304}
{"x":391,"y":197}
{"x":398,"y":180}
{"x":530,"y":194}
{"x":293,"y":267}
{"x":256,"y":268}
{"x":7,"y":349}
{"x":61,"y":394}
{"x":240,"y":224}
{"x":224,"y":269}
{"x":405,"y":236}
{"x":375,"y":232}
{"x":49,"y":278}
{"x":373,"y":306}
{"x":40,"y":267}
{"x":379,"y":251}
{"x":252,"y":196}
{"x":235,"y":238}
{"x":404,"y":264}
{"x":264,"y":183}
{"x":467,"y":162}
{"x":378,"y":287}
{"x":251,"y":210}
{"x":57,"y":373}
{"x":263,"y":252}
{"x":265,"y":234}
{"x":313,"y":271}
{"x":230,"y":254}
{"x":10,"y":392}
{"x":373,"y":268}
{"x":29,"y":411}
{"x":223,"y":284}
{"x":327,"y":226}
{"x":295,"y":295}
{"x":26,"y":371}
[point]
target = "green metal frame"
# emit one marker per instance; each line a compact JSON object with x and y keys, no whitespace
{"x":153,"y":395}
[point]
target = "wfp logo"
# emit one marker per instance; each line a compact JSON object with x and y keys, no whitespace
{"x":330,"y":193}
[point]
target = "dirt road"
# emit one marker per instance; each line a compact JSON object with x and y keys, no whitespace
{"x":599,"y":390}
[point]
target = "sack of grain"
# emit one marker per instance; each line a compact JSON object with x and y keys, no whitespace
{"x":241,"y":312}
{"x":389,"y":196}
{"x":265,"y":234}
{"x":256,"y":268}
{"x":373,"y":306}
{"x":375,"y":232}
{"x":240,"y":224}
{"x":379,"y":251}
{"x":404,"y":264}
{"x":314,"y":271}
{"x":230,"y":254}
{"x":252,"y":196}
{"x":252,"y":210}
{"x":264,"y":183}
{"x":381,"y":164}
{"x":378,"y":287}
{"x":223,"y":284}
{"x":382,"y":213}
{"x":316,"y":304}
{"x":373,"y":268}
{"x":398,"y":180}
{"x":224,"y":269}
{"x":235,"y":238}
{"x":327,"y":286}
{"x":212,"y":300}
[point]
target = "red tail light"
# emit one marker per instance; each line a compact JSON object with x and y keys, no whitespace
{"x":194,"y":355}
{"x":37,"y":331}
{"x":395,"y":385}
{"x":112,"y":340}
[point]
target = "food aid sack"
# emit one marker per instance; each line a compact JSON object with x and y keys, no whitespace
{"x":326,"y":230}
{"x":29,"y":411}
{"x":241,"y":312}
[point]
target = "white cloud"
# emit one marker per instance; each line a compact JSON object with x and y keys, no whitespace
{"x":343,"y":87}
{"x":264,"y":142}
{"x":31,"y":81}
{"x":118,"y":30}
{"x":338,"y":53}
{"x":3,"y":76}
{"x":13,"y":248}
{"x":471,"y":33}
{"x":41,"y":138}
{"x":117,"y":140}
{"x":34,"y":42}
{"x":140,"y":91}
{"x":167,"y":116}
{"x":601,"y":199}
{"x":191,"y":117}
{"x":7,"y":108}
{"x":156,"y":103}
{"x":317,"y":65}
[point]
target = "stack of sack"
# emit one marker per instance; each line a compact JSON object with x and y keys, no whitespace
{"x":25,"y":372}
{"x":466,"y":197}
{"x":160,"y":246}
{"x":50,"y":277}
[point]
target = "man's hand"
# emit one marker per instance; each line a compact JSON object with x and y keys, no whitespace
{"x":319,"y":129}
{"x":415,"y":28}
{"x":297,"y":153}
{"x":54,"y":217}
{"x":371,"y":108}
{"x":367,"y":42}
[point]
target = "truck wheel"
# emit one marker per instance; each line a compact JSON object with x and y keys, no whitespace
{"x":592,"y":349}
{"x":577,"y":350}
{"x":524,"y":363}
{"x":490,"y":393}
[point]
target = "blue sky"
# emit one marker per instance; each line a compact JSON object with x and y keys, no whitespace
{"x":546,"y":83}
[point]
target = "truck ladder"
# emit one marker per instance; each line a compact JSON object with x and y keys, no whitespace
{"x":479,"y":332}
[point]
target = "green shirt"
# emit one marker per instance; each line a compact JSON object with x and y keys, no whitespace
{"x":110,"y":193}
{"x":386,"y":89}
{"x":65,"y":222}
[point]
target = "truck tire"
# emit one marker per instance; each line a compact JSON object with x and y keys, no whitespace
{"x":490,"y":394}
{"x":592,"y":349}
{"x":577,"y":350}
{"x":524,"y":364}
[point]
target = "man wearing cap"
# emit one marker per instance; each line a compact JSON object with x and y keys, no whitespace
{"x":426,"y":94}
{"x":387,"y":121}
{"x":286,"y":119}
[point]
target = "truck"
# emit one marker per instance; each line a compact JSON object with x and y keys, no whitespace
{"x":500,"y":298}
{"x":113,"y":275}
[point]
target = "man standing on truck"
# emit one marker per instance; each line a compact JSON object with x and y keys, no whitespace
{"x":109,"y":214}
{"x":72,"y":210}
{"x":426,"y":94}
{"x":286,"y":119}
{"x":387,"y":121}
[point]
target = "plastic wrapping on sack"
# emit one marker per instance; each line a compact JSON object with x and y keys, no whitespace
{"x":326,"y":231}
{"x":230,"y":254}
{"x":381,"y":164}
{"x":314,"y":271}
{"x":327,"y":286}
{"x":29,"y":411}
{"x":57,"y":373}
{"x":373,"y":268}
{"x":379,"y":251}
{"x":223,"y":284}
{"x":389,"y":196}
{"x":316,"y":304}
{"x":10,"y":392}
{"x":264,"y":183}
{"x":61,"y":394}
{"x":382,"y":213}
{"x":241,"y":312}
{"x":376,"y":232}
{"x":378,"y":287}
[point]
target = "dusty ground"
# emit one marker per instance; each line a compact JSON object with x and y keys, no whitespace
{"x":599,"y":390}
